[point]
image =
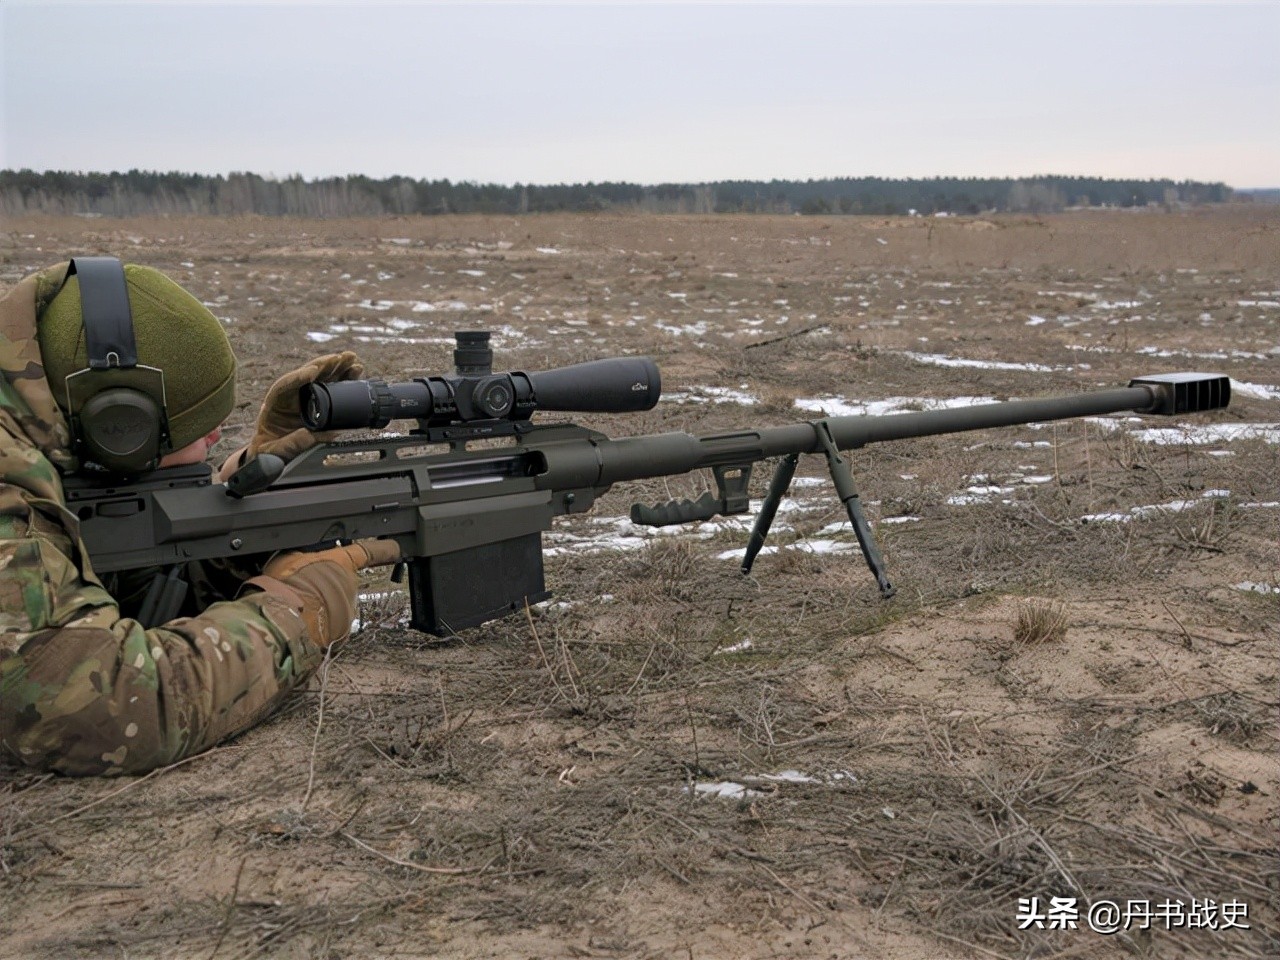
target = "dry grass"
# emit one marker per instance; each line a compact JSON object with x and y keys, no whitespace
{"x":1231,"y":715}
{"x":1040,"y":621}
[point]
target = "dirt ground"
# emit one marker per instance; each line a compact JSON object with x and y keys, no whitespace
{"x":672,"y":760}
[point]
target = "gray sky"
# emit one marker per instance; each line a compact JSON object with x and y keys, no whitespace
{"x":651,"y":92}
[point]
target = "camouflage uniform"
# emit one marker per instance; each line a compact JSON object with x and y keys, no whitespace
{"x":84,"y":690}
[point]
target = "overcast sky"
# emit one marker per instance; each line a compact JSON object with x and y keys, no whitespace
{"x":543,"y":93}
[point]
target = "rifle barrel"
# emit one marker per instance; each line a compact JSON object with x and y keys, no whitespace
{"x":638,"y":458}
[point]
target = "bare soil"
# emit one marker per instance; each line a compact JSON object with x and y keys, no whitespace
{"x":878,"y":779}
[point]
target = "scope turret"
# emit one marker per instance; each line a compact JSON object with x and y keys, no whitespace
{"x":614,"y":385}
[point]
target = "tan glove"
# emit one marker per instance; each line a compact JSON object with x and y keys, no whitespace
{"x":279,"y":429}
{"x":324,"y":584}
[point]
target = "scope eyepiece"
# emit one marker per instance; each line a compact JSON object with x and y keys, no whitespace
{"x":472,"y":356}
{"x":315,"y":404}
{"x":350,"y":404}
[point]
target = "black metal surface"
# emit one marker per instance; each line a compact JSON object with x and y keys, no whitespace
{"x":848,"y":494}
{"x":1178,"y":393}
{"x":104,"y":305}
{"x":470,"y":515}
{"x":778,"y":487}
{"x":466,"y":588}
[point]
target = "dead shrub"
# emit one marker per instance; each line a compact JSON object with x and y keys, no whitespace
{"x":1230,"y":715}
{"x":1040,"y":621}
{"x":793,"y":559}
{"x":1128,"y":452}
{"x":670,"y":567}
{"x":777,"y":400}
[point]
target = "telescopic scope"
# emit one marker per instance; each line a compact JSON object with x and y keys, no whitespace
{"x":615,"y":385}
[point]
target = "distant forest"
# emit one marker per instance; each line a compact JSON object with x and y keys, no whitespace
{"x":140,"y":192}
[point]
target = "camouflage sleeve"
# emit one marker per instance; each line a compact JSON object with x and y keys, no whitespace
{"x":84,"y":691}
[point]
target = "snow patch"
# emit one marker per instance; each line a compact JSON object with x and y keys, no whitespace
{"x":978,"y":494}
{"x":835,"y":406}
{"x":740,"y":647}
{"x":1154,"y":509}
{"x":1207,"y":433}
{"x":1250,"y":586}
{"x":693,"y":329}
{"x":942,"y":360}
{"x":725,"y":789}
{"x":1261,"y":391}
{"x":712,"y":395}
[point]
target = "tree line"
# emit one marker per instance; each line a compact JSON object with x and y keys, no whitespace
{"x":145,"y":192}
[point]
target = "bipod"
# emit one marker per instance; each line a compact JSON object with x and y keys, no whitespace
{"x":847,"y":493}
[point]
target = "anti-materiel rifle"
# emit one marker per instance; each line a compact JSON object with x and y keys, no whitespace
{"x":469,"y":491}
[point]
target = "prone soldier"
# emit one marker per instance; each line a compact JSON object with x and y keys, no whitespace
{"x":85,"y":688}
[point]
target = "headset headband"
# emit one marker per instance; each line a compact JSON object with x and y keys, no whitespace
{"x":104,"y":304}
{"x":118,"y":414}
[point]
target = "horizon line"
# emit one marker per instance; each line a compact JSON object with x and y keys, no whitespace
{"x":272,"y":176}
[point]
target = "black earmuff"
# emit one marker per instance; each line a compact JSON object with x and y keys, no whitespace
{"x":117,"y":406}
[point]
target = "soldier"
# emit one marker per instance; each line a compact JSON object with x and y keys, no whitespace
{"x":85,"y":689}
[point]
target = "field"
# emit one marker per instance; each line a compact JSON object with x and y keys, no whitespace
{"x":1073,"y":694}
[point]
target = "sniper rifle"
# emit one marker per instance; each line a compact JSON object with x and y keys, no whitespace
{"x":469,"y":491}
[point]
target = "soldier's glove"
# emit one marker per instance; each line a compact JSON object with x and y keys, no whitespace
{"x":279,"y":429}
{"x":325,"y":584}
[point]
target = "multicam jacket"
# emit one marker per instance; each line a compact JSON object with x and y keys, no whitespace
{"x":83,"y":689}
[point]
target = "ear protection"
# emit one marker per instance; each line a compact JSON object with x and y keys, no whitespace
{"x":116,"y":405}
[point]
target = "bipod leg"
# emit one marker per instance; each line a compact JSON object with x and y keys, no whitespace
{"x":848,"y":494}
{"x":777,"y":490}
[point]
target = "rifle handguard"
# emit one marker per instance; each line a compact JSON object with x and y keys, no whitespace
{"x":677,"y":511}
